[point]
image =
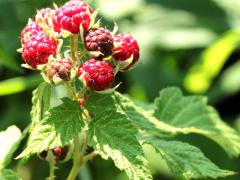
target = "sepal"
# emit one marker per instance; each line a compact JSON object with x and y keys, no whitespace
{"x":123,"y":65}
{"x":93,"y":18}
{"x":115,"y":29}
{"x":27,"y":66}
{"x":109,"y":91}
{"x":65,"y":33}
{"x":95,"y":53}
{"x":20,"y":50}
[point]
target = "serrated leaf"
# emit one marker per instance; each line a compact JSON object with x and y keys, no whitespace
{"x":141,"y":118}
{"x":7,"y":174}
{"x":9,"y":141}
{"x":59,"y":126}
{"x":186,"y":161}
{"x":138,"y":117}
{"x":41,"y":102}
{"x":191,"y":114}
{"x":114,"y":136}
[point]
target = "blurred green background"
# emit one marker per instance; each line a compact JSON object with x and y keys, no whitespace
{"x":191,"y":44}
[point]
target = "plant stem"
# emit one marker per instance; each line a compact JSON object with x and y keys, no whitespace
{"x":90,"y":156}
{"x":74,"y":170}
{"x":51,"y":168}
{"x":74,"y":47}
{"x":78,"y":155}
{"x":80,"y":144}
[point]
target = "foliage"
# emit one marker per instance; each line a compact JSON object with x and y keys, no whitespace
{"x":114,"y":132}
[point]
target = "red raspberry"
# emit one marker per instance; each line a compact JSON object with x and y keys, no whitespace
{"x":71,"y":15}
{"x":127,"y":46}
{"x":32,"y":28}
{"x":46,"y":14}
{"x":61,"y":68}
{"x":98,"y":75}
{"x":60,"y":153}
{"x":38,"y":48}
{"x":99,"y":39}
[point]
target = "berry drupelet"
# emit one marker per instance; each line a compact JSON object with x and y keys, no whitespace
{"x":38,"y":48}
{"x":99,"y":39}
{"x":31,"y":29}
{"x":97,"y":75}
{"x":71,"y":15}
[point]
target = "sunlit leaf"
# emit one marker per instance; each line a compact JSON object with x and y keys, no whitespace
{"x":212,"y":60}
{"x":186,"y":161}
{"x":114,"y":136}
{"x":18,"y":84}
{"x":9,"y":141}
{"x":41,"y":102}
{"x":59,"y":126}
{"x":191,"y":114}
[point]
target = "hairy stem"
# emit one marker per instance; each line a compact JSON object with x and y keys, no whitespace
{"x":80,"y":143}
{"x":90,"y":156}
{"x":80,"y":146}
{"x":74,"y":47}
{"x":76,"y":157}
{"x":51,"y":168}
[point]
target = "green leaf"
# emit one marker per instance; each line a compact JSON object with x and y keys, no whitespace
{"x":59,"y":126}
{"x":113,"y":135}
{"x":7,"y":174}
{"x":227,"y":84}
{"x":191,"y":114}
{"x":186,"y":161}
{"x":9,"y":140}
{"x":212,"y":60}
{"x":41,"y":102}
{"x":19,"y":84}
{"x":138,"y":117}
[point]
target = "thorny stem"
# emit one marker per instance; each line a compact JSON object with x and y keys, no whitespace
{"x":76,"y":157}
{"x":80,"y":146}
{"x":51,"y":168}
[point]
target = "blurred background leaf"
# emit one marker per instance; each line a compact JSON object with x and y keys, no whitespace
{"x":9,"y":140}
{"x":18,"y":84}
{"x":212,"y":60}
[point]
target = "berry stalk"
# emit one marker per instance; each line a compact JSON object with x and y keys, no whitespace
{"x":80,"y":144}
{"x":74,"y":47}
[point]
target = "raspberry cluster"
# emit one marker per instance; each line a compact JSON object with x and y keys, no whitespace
{"x":104,"y":52}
